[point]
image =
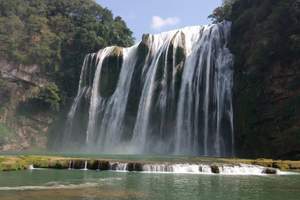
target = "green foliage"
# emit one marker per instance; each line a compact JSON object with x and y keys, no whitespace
{"x":265,"y":40}
{"x":2,"y":83}
{"x":5,"y":133}
{"x":3,"y":93}
{"x":57,"y":34}
{"x":223,"y":12}
{"x":47,"y":99}
{"x":266,"y":21}
{"x":50,"y":95}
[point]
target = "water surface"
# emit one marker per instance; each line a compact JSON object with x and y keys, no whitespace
{"x":93,"y":185}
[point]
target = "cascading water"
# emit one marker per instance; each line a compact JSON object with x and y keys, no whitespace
{"x":169,"y":94}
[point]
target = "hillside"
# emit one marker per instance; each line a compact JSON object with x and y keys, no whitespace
{"x":266,"y":43}
{"x":42,"y":46}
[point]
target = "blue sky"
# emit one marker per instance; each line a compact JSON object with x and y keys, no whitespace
{"x":153,"y":16}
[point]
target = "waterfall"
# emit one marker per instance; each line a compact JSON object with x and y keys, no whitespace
{"x":169,"y":94}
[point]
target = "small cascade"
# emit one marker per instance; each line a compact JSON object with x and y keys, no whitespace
{"x":157,"y":168}
{"x":222,"y":169}
{"x":169,"y":94}
{"x":242,"y":169}
{"x":189,"y":168}
{"x":98,"y":166}
{"x":31,"y":167}
{"x":70,"y":165}
{"x":184,"y":168}
{"x":85,"y":166}
{"x":122,"y":167}
{"x":167,"y":167}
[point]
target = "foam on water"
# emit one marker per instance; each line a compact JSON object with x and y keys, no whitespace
{"x":205,"y":169}
{"x":50,"y":186}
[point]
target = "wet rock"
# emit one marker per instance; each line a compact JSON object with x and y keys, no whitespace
{"x":215,"y":169}
{"x":58,"y":164}
{"x":114,"y":166}
{"x":200,"y":169}
{"x":269,"y":171}
{"x":134,"y":167}
{"x":78,"y":164}
{"x":104,"y":165}
{"x":138,"y":167}
{"x":93,"y":164}
{"x":130,"y":167}
{"x":280,"y":165}
{"x":110,"y":71}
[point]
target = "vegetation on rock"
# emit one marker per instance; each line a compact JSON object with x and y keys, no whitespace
{"x":54,"y":36}
{"x":266,"y":43}
{"x":46,"y":99}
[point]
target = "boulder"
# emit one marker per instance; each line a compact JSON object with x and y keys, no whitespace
{"x":215,"y":169}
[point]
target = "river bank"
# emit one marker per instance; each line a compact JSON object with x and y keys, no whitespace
{"x":127,"y":163}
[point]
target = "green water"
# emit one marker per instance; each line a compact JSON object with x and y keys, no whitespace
{"x":92,"y":185}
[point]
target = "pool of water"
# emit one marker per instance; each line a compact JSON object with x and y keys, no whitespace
{"x":95,"y":185}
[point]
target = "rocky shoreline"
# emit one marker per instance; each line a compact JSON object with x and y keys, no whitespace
{"x":202,"y":165}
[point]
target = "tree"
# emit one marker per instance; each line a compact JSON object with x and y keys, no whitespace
{"x":223,"y":12}
{"x":57,"y":34}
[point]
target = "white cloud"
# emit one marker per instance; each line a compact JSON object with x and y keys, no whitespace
{"x":158,"y":22}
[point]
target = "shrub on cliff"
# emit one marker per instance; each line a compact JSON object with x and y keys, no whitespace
{"x":223,"y":12}
{"x":46,"y":99}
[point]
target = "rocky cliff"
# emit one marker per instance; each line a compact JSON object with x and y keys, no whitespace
{"x":266,"y":44}
{"x":25,"y":115}
{"x":42,"y":47}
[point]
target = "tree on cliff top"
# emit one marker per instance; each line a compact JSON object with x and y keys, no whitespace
{"x":223,"y":12}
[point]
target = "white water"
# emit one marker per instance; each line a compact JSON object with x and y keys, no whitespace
{"x":205,"y":169}
{"x":182,"y":92}
{"x":50,"y":187}
{"x":96,"y":100}
{"x":184,"y":168}
{"x":70,"y":164}
{"x":174,"y":168}
{"x":85,"y":166}
{"x":30,"y":167}
{"x":117,"y":166}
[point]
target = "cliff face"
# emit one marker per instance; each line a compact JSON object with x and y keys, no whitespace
{"x":23,"y":123}
{"x":266,"y":44}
